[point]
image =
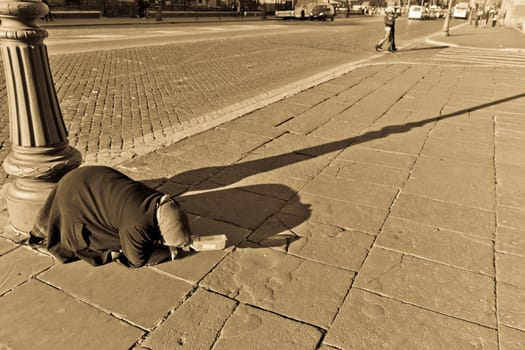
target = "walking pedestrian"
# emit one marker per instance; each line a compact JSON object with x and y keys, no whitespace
{"x":392,"y":37}
{"x":485,"y":17}
{"x":147,"y":8}
{"x":492,"y":16}
{"x":97,"y":214}
{"x":141,"y":4}
{"x":390,"y":23}
{"x":501,"y":17}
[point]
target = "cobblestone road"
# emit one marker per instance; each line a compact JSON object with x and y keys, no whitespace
{"x":125,"y":102}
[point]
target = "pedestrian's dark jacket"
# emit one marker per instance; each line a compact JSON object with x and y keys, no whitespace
{"x":390,"y":20}
{"x":94,"y":210}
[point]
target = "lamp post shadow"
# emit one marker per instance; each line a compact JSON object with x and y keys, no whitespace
{"x":235,"y":205}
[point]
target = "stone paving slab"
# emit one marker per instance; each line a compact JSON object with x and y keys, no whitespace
{"x":37,"y":316}
{"x":195,"y":324}
{"x":260,"y":123}
{"x":141,"y":296}
{"x":451,"y":181}
{"x":459,"y":131}
{"x":511,"y":305}
{"x":509,"y":140}
{"x":248,"y":326}
{"x":462,"y":294}
{"x":434,"y":243}
{"x":6,"y":245}
{"x":475,"y":152}
{"x":300,"y":289}
{"x":336,"y":129}
{"x":508,"y":153}
{"x":511,"y":269}
{"x":20,"y":265}
{"x":377,"y":157}
{"x":223,"y":145}
{"x":511,"y":339}
{"x":376,"y":174}
{"x":370,"y":321}
{"x":473,"y":221}
{"x":510,"y":240}
{"x":350,"y":190}
{"x":274,"y":114}
{"x":310,"y":240}
{"x":310,"y":98}
{"x":511,"y":217}
{"x":314,"y":118}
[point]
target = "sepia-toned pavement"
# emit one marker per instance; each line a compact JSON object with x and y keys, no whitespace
{"x":384,"y":208}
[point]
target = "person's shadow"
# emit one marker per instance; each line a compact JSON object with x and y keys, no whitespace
{"x":200,"y":193}
{"x":244,"y":209}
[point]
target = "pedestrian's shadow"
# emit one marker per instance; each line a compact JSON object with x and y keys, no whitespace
{"x":426,"y":48}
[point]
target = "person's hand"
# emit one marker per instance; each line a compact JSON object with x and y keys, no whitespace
{"x":159,"y":255}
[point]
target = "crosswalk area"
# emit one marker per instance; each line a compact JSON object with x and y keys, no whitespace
{"x":477,"y":56}
{"x":130,"y":35}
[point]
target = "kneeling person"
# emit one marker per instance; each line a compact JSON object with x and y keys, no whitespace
{"x":97,"y":214}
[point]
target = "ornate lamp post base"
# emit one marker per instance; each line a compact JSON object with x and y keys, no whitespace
{"x":36,"y":171}
{"x":24,"y":199}
{"x":40,"y":154}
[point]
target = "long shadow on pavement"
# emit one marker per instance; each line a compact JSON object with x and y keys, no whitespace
{"x":262,"y":165}
{"x":426,"y":48}
{"x":250,"y":206}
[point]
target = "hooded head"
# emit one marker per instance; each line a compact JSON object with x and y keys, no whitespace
{"x":173,"y":223}
{"x":389,"y":9}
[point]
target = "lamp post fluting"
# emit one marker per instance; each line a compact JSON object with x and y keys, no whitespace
{"x":40,"y":153}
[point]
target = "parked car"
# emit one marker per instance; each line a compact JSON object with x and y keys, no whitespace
{"x":322,"y":13}
{"x":435,"y":12}
{"x":461,"y":10}
{"x":417,"y":12}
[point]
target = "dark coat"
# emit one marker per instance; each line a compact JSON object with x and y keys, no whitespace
{"x":94,"y":210}
{"x":390,"y":20}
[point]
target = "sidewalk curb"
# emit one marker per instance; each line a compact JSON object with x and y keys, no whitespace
{"x":229,"y":113}
{"x":130,"y":22}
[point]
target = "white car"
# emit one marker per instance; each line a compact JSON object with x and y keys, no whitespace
{"x":460,"y":10}
{"x":417,"y":12}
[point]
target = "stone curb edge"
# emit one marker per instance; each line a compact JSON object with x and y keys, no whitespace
{"x":229,"y":113}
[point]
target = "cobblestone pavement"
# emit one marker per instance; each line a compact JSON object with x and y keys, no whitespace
{"x":121,"y":103}
{"x":380,"y":209}
{"x":117,"y":102}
